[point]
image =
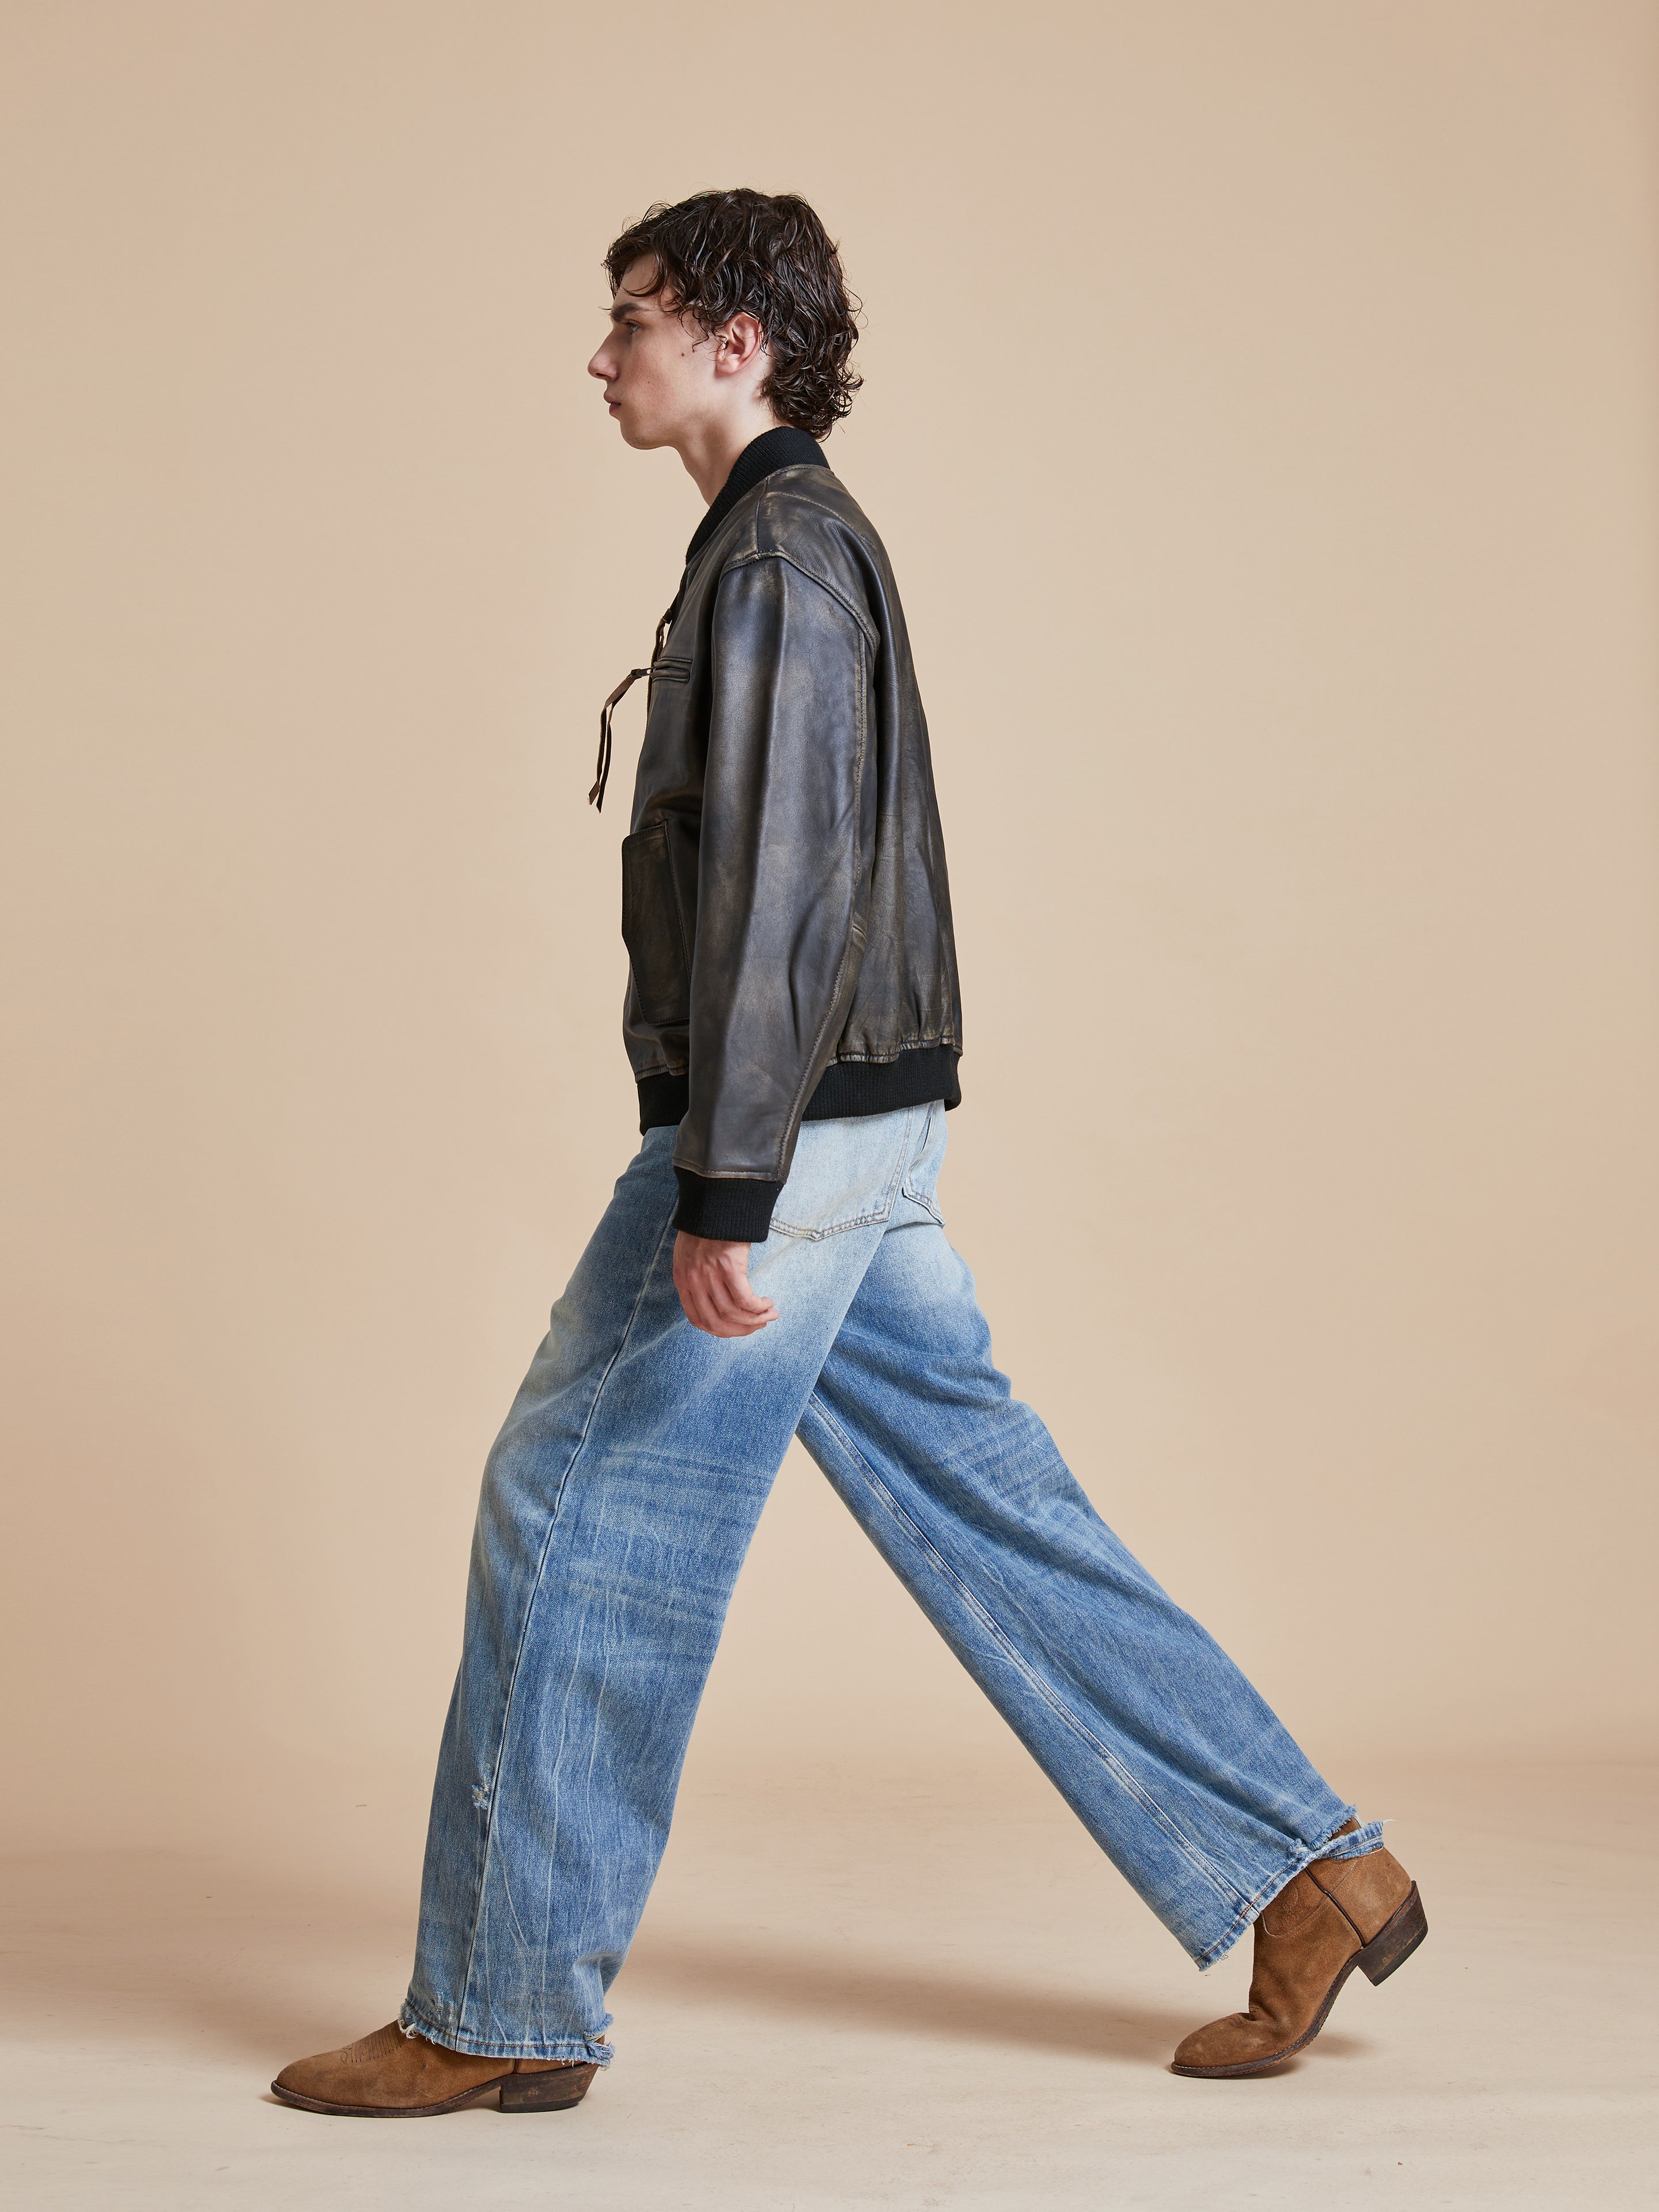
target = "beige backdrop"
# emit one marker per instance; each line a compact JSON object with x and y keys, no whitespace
{"x":1259,"y":413}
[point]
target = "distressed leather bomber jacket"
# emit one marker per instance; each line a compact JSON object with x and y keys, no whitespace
{"x":785,"y":904}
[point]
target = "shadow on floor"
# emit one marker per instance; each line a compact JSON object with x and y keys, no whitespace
{"x":276,"y":1968}
{"x":776,"y":1979}
{"x":172,"y":1944}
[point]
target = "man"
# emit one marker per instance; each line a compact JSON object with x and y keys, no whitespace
{"x":773,"y":1264}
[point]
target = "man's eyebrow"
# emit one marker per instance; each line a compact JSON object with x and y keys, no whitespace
{"x":626,"y":303}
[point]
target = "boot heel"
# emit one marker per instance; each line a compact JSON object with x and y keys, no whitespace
{"x":1395,"y":1940}
{"x":554,"y":2090}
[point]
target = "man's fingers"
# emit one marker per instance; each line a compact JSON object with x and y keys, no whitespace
{"x":712,"y":1278}
{"x":722,"y":1306}
{"x":697,"y":1297}
{"x":738,"y":1311}
{"x":723,"y":1325}
{"x":740,"y":1295}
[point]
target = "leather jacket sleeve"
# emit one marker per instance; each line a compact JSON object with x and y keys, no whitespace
{"x":783,"y":869}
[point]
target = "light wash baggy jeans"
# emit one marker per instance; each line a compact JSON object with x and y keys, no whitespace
{"x":618,"y":1503}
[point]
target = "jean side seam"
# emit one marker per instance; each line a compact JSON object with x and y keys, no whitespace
{"x":1108,"y":1758}
{"x":530,"y":1607}
{"x":927,"y":1201}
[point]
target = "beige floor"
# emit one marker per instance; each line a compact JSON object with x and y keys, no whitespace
{"x":853,"y":1991}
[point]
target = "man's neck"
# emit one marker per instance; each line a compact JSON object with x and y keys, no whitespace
{"x":710,"y":448}
{"x":780,"y":447}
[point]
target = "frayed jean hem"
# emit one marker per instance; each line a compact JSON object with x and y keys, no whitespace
{"x":1358,"y":1845}
{"x":586,"y":2050}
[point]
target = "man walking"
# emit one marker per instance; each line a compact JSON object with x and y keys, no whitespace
{"x":773,"y":1264}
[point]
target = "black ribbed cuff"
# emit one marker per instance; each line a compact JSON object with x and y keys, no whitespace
{"x":737,"y":1209}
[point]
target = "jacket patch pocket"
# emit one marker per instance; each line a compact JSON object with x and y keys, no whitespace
{"x":655,"y":927}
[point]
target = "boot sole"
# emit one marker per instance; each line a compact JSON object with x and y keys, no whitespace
{"x":514,"y":2093}
{"x":1389,"y":1948}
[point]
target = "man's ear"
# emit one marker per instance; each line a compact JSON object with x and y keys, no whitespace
{"x":737,"y":344}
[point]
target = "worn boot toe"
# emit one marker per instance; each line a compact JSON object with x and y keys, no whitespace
{"x":1235,"y":2040}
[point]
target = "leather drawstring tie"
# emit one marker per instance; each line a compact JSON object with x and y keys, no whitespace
{"x":602,"y":773}
{"x":596,"y":796}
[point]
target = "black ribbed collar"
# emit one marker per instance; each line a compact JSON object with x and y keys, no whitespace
{"x":782,"y":448}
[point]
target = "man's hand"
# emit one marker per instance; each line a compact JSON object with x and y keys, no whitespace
{"x":712,"y":1278}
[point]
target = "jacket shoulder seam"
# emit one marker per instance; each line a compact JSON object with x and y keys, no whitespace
{"x":777,"y":553}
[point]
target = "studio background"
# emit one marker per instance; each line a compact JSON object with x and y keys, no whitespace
{"x":1259,"y":414}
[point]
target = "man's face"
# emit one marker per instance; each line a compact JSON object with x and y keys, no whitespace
{"x":657,"y":370}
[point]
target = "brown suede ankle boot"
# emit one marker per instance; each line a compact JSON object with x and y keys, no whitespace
{"x":390,"y":2076}
{"x":1338,"y":1914}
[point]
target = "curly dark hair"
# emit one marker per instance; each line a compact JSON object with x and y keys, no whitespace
{"x":721,"y":254}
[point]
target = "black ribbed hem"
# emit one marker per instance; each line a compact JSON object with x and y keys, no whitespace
{"x":736,"y":1208}
{"x":847,"y":1090}
{"x":850,"y":1089}
{"x":664,"y":1101}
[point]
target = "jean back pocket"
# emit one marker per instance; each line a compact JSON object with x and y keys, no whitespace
{"x":846,"y":1174}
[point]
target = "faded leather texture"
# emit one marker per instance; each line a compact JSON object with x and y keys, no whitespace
{"x":785,"y":903}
